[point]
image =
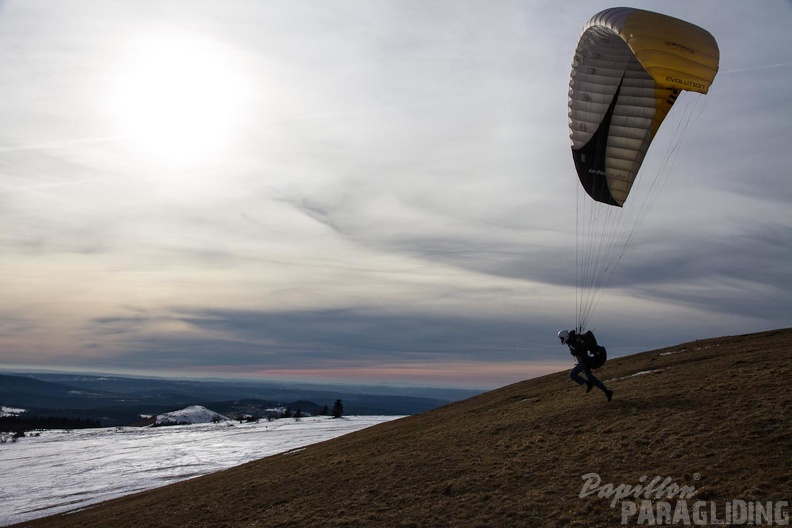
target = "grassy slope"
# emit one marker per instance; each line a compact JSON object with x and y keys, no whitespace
{"x":719,"y":409}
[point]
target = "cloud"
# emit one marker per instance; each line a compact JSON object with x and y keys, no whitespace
{"x":374,"y":342}
{"x":400,"y":192}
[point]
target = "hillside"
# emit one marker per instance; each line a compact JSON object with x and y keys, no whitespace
{"x":193,"y":414}
{"x":714,"y":414}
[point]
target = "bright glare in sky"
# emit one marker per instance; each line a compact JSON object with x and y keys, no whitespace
{"x":179,"y":97}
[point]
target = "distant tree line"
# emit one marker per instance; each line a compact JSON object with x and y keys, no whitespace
{"x":168,"y":423}
{"x":23,"y":423}
{"x":165,"y":423}
{"x":285,"y":413}
{"x":337,"y":412}
{"x":19,"y":424}
{"x":338,"y":409}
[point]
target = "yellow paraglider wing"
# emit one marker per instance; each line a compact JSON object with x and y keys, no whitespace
{"x":629,"y":67}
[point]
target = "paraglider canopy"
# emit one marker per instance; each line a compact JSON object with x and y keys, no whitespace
{"x":628,"y":70}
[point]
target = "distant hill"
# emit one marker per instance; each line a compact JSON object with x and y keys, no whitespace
{"x":713,"y":415}
{"x":117,"y":400}
{"x":27,"y":391}
{"x":194,"y":414}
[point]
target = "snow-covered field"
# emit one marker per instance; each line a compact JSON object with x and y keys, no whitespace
{"x":60,"y":471}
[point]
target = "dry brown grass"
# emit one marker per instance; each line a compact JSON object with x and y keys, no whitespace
{"x":716,"y":408}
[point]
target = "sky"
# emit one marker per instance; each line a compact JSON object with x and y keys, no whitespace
{"x":356,"y":191}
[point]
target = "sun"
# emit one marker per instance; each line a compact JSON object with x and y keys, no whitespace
{"x":178,"y":97}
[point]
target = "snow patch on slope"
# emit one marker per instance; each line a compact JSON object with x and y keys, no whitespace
{"x":58,"y":470}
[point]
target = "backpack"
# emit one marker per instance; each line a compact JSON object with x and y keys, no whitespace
{"x":596,"y":357}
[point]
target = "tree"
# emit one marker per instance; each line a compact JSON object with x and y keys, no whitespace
{"x":325,"y":411}
{"x":338,"y":409}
